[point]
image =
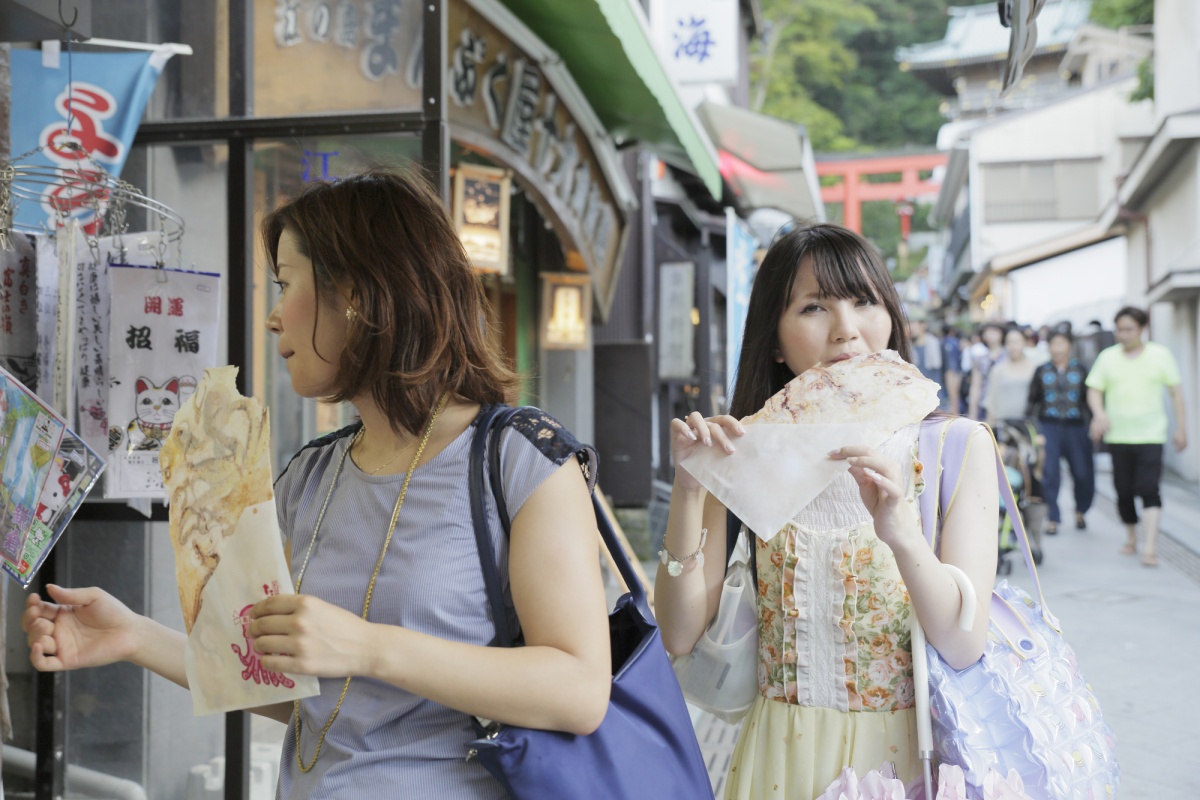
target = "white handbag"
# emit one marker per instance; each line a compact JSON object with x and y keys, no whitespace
{"x":720,"y":675}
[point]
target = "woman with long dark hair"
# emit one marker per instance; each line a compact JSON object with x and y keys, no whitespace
{"x":838,"y":584}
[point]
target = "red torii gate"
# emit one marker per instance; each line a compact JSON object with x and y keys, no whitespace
{"x":852,"y":194}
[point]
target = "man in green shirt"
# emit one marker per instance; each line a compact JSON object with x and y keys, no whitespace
{"x":1125,"y":390}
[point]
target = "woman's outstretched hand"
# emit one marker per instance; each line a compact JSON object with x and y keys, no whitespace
{"x":695,"y":431}
{"x":881,"y":487}
{"x":82,"y":628}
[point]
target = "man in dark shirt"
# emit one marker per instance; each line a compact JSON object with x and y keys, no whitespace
{"x":1058,"y":401}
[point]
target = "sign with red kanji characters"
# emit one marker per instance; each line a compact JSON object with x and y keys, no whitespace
{"x":163,"y":336}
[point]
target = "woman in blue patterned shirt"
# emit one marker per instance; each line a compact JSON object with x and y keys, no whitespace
{"x":1058,"y":401}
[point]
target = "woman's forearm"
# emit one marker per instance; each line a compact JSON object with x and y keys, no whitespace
{"x":531,"y":686}
{"x":937,"y":602}
{"x":682,"y":602}
{"x":160,"y":649}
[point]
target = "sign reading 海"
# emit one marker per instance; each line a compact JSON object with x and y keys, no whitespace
{"x":697,"y":40}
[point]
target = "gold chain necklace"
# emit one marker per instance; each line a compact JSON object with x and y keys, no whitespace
{"x":386,"y":464}
{"x":374,"y":576}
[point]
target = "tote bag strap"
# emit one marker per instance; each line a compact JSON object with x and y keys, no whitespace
{"x":505,"y":637}
{"x":944,"y":443}
{"x":733,"y":528}
{"x":488,"y":447}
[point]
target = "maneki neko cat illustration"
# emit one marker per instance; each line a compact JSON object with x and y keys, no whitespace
{"x":155,"y":406}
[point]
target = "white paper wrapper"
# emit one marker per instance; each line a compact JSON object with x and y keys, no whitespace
{"x":777,"y":469}
{"x":223,"y":670}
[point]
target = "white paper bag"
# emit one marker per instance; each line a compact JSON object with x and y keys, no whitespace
{"x":777,"y":469}
{"x":223,"y":669}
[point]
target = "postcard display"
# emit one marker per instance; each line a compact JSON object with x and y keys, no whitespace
{"x":46,"y":469}
{"x":99,"y":345}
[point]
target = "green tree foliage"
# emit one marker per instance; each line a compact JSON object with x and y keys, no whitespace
{"x":830,"y":65}
{"x":881,"y":106}
{"x":1119,"y":13}
{"x":800,"y":55}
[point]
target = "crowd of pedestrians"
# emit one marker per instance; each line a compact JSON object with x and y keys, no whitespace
{"x":1102,"y":390}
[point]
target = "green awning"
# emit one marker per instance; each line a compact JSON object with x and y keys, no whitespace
{"x":606,"y":46}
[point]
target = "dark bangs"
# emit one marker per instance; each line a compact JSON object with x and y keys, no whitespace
{"x":840,"y":275}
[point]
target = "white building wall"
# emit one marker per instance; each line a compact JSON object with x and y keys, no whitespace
{"x":1076,"y":287}
{"x":1176,"y":56}
{"x":1088,"y":125}
{"x":1174,"y":214}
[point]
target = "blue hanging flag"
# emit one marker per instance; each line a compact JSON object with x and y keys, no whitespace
{"x":104,"y":104}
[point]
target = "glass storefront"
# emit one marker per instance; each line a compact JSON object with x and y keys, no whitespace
{"x":190,"y":87}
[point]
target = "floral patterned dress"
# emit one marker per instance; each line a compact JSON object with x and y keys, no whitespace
{"x":835,"y":669}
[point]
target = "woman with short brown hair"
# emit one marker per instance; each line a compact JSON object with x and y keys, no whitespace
{"x":380,"y":307}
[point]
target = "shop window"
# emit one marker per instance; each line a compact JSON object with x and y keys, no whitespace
{"x":194,"y":86}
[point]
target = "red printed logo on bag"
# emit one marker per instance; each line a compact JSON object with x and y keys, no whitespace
{"x":254,"y":670}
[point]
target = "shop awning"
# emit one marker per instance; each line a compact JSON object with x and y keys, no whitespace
{"x":765,"y":160}
{"x":606,"y":45}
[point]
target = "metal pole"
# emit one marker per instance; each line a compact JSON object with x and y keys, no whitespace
{"x":50,"y":773}
{"x":704,"y":360}
{"x":435,"y":138}
{"x":240,"y":191}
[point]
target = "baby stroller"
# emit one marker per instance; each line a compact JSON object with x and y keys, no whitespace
{"x":1023,"y":457}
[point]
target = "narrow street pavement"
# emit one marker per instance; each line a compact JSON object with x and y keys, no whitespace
{"x":1135,"y":630}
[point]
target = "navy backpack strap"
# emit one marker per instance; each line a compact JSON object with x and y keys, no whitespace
{"x":349,"y":430}
{"x":496,"y":470}
{"x":479,"y":518}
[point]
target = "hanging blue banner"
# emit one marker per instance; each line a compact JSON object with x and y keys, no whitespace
{"x":99,"y":110}
{"x":740,"y":268}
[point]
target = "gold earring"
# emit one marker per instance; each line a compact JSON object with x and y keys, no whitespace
{"x":350,"y":313}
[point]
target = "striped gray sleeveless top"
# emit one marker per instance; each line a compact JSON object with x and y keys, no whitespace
{"x":386,"y":740}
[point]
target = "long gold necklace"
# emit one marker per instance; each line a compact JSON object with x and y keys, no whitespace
{"x":374,"y":576}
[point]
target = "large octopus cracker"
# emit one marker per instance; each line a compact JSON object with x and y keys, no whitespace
{"x":877,"y":388}
{"x":215,"y":463}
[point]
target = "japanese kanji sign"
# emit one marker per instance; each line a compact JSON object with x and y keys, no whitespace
{"x":697,"y":40}
{"x":163,"y":337}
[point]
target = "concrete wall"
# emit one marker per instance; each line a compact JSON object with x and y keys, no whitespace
{"x":1084,"y":284}
{"x":1174,"y":211}
{"x":1176,"y":57}
{"x":1088,"y":125}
